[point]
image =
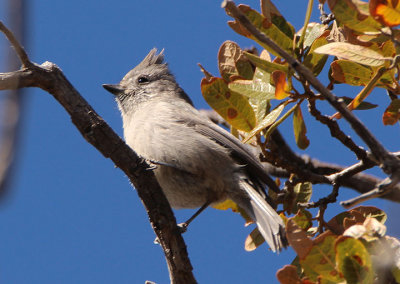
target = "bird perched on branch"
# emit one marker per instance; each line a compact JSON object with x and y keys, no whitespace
{"x":197,"y":162}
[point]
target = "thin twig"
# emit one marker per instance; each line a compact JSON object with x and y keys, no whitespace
{"x":331,"y":198}
{"x":349,"y":171}
{"x":23,"y":56}
{"x":320,"y":218}
{"x":336,"y":132}
{"x":389,"y":163}
{"x":385,"y":187}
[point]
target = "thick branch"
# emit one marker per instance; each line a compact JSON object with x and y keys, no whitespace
{"x":360,"y":182}
{"x":97,"y":132}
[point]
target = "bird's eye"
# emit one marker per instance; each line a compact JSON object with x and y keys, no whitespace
{"x":143,"y":80}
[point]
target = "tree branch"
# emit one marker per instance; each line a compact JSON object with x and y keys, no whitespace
{"x":282,"y":161}
{"x":97,"y":132}
{"x":337,"y":133}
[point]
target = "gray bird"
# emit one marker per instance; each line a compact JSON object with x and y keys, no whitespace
{"x":197,"y":162}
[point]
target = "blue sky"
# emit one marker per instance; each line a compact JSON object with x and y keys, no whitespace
{"x":71,"y":216}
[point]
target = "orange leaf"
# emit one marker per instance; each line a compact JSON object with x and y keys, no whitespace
{"x":392,"y":113}
{"x":281,"y":86}
{"x":387,"y":12}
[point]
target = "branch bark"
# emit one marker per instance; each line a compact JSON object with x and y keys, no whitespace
{"x":311,"y":169}
{"x":98,"y":133}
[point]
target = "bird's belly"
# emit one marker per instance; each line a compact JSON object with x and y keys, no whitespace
{"x":185,"y":190}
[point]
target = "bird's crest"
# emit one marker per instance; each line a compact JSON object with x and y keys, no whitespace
{"x":152,"y":58}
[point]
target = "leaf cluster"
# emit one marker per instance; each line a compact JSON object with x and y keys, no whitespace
{"x":256,"y":92}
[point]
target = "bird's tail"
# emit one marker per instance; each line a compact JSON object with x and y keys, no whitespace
{"x":268,"y":221}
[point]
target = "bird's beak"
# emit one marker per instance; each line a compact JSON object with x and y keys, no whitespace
{"x":113,"y":89}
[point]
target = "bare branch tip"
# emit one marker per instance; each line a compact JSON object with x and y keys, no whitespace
{"x":22,"y":55}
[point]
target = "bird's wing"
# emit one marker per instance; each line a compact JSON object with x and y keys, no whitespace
{"x":238,"y":150}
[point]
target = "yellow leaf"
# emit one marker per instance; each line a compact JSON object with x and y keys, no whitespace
{"x":355,"y":53}
{"x":300,"y":130}
{"x":267,"y":121}
{"x":233,"y":107}
{"x":227,"y":204}
{"x":281,"y":35}
{"x":352,"y":13}
{"x":387,"y":12}
{"x":353,"y":260}
{"x":320,"y":261}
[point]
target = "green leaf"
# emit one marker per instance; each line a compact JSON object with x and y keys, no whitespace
{"x":253,"y":89}
{"x":355,"y":53}
{"x":303,"y":219}
{"x":303,"y":191}
{"x":352,"y":13}
{"x":396,"y":274}
{"x":263,"y":25}
{"x":266,"y":65}
{"x":280,"y":120}
{"x":349,"y":72}
{"x":300,"y":130}
{"x":271,"y":13}
{"x":316,"y":61}
{"x":244,"y":67}
{"x":313,"y":31}
{"x":233,"y":107}
{"x":353,"y":261}
{"x":260,"y":107}
{"x":267,"y":121}
{"x":320,"y":261}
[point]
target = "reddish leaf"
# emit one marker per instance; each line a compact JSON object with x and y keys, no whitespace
{"x":288,"y":275}
{"x":392,"y":113}
{"x":298,"y":239}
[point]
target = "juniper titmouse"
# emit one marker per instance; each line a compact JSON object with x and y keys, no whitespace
{"x":197,"y":162}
